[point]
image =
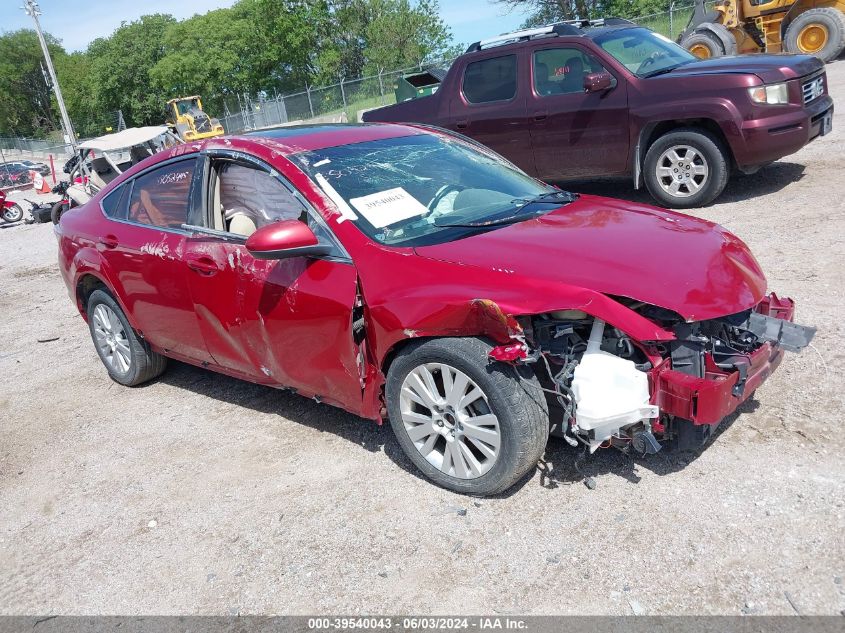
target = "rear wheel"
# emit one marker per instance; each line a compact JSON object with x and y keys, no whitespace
{"x":469,"y":424}
{"x":13,"y":213}
{"x":684,"y":168}
{"x":819,"y":32}
{"x":704,"y":45}
{"x":127,"y":357}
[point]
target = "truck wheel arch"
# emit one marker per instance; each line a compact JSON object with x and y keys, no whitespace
{"x":655,"y":129}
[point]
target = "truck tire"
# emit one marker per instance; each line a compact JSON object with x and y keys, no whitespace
{"x":469,"y":424}
{"x":819,"y":32}
{"x":686,"y":167}
{"x":704,"y":45}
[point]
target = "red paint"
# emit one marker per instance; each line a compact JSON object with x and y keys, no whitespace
{"x":284,"y":234}
{"x":509,"y":353}
{"x":289,"y":322}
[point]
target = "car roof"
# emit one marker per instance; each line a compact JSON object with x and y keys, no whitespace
{"x":300,"y":138}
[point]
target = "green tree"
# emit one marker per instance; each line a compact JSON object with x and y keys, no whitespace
{"x":401,"y":35}
{"x":25,"y":96}
{"x":121,"y":66}
{"x":78,"y":89}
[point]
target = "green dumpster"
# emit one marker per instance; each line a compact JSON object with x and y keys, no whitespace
{"x":417,"y":85}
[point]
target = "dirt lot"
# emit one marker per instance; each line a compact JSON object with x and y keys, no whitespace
{"x":200,"y":494}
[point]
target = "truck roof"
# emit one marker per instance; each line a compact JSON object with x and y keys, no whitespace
{"x":577,"y":28}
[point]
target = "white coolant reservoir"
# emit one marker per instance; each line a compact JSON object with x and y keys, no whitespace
{"x":610,"y":392}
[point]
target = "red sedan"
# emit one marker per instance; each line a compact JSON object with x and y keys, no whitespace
{"x":407,"y":273}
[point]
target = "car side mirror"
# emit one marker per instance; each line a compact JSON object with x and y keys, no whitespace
{"x":287,"y":238}
{"x":598,"y":82}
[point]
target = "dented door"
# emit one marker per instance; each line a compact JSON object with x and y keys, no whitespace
{"x":281,"y":322}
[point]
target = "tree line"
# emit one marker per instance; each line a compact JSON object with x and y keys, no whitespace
{"x":256,"y":45}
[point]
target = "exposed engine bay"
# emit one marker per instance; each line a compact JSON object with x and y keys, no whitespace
{"x":602,"y":383}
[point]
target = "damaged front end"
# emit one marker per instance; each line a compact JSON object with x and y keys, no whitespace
{"x":607,"y":389}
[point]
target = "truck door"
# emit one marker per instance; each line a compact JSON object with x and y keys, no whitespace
{"x":574,"y":132}
{"x":489,"y":105}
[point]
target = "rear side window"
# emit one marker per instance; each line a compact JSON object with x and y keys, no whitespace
{"x":490,"y":80}
{"x":161,"y":197}
{"x":114,"y":204}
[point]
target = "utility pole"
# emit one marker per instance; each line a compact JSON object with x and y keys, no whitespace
{"x":32,"y":10}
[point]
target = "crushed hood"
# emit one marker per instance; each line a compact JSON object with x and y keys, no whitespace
{"x":769,"y":68}
{"x":691,"y":266}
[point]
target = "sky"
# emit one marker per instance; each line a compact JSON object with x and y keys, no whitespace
{"x":76,"y":23}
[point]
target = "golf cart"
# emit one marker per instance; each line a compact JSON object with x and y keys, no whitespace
{"x":100,"y":160}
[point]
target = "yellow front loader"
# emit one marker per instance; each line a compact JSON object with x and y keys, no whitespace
{"x":186,"y":118}
{"x":815,"y":27}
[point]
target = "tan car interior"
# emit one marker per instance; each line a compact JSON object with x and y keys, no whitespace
{"x":245,"y":199}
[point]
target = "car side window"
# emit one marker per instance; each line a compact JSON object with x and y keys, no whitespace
{"x":247,"y":198}
{"x":161,"y":197}
{"x":558,"y":71}
{"x":115,"y":203}
{"x":490,"y":80}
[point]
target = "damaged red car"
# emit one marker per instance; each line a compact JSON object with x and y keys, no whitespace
{"x":406,"y":273}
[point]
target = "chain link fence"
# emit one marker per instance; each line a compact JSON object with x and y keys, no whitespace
{"x":344,"y":102}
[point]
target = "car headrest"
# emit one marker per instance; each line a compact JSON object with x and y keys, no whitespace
{"x":241,"y":224}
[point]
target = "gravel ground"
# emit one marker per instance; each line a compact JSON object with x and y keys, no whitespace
{"x":200,"y":494}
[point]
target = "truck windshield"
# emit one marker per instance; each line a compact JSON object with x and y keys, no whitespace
{"x":643,"y":52}
{"x":426,"y":188}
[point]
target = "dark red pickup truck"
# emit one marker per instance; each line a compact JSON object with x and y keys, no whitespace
{"x":578,"y":100}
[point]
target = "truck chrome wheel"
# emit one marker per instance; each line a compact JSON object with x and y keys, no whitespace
{"x":681,"y":171}
{"x":448,"y":418}
{"x":111,"y":339}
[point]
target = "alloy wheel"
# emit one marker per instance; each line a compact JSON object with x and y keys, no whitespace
{"x":111,"y":340}
{"x":682,"y":171}
{"x":449,"y":420}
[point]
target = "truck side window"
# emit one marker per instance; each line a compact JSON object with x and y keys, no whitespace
{"x":490,"y":80}
{"x":561,"y":70}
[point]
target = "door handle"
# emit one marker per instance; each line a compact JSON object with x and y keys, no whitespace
{"x":541,"y":116}
{"x":202,"y":264}
{"x":462,"y":125}
{"x":109,"y":241}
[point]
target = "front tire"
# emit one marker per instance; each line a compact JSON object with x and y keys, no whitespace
{"x":13,"y":213}
{"x":470,"y":424}
{"x":819,"y":32}
{"x":685,"y":168}
{"x":128,"y":358}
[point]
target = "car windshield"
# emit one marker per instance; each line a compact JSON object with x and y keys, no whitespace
{"x":426,"y":188}
{"x":644,"y":52}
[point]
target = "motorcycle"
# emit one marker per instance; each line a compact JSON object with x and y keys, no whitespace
{"x":58,"y":208}
{"x":45,"y":212}
{"x":9,"y":211}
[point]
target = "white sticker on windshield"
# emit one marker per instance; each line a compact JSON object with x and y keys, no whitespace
{"x":388,"y":207}
{"x":346,"y":212}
